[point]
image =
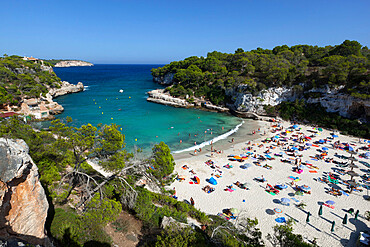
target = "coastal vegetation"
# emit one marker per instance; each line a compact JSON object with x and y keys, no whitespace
{"x":24,"y":79}
{"x":346,"y":65}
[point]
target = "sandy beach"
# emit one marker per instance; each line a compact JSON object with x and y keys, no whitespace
{"x":257,"y":202}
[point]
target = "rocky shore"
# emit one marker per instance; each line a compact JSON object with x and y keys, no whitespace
{"x":72,"y":63}
{"x":159,"y":96}
{"x":44,"y":107}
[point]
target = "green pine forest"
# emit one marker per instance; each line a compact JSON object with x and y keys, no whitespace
{"x":345,"y":65}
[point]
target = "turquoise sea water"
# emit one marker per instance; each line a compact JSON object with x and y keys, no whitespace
{"x":143,"y":123}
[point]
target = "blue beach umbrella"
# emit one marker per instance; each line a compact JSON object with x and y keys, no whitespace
{"x":283,"y":186}
{"x":294,"y":148}
{"x":334,"y":135}
{"x":325,"y":148}
{"x":330,"y":202}
{"x":305,"y":187}
{"x":321,"y":141}
{"x":285,"y":200}
{"x":295,"y":126}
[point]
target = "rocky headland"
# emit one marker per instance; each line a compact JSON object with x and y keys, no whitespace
{"x":161,"y":97}
{"x":23,"y":203}
{"x":72,"y":63}
{"x":45,"y":107}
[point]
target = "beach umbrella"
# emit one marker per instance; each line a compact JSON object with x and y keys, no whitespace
{"x":308,"y":217}
{"x":345,"y":219}
{"x":350,"y":148}
{"x":294,"y":148}
{"x":332,"y":226}
{"x":320,"y":129}
{"x":285,"y":200}
{"x":212,"y":181}
{"x":334,"y":135}
{"x":330,"y":202}
{"x":234,"y":210}
{"x":295,"y":126}
{"x":320,"y":210}
{"x":305,"y":188}
{"x":278,"y":210}
{"x":352,"y":159}
{"x":325,"y":148}
{"x":352,"y":174}
{"x":352,"y":166}
{"x":237,"y":157}
{"x":356,"y":214}
{"x":308,"y":144}
{"x":321,"y":141}
{"x":283,"y":186}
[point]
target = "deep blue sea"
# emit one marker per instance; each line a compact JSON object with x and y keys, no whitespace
{"x":143,"y":123}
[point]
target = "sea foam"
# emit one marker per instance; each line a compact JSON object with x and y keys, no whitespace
{"x":214,"y":140}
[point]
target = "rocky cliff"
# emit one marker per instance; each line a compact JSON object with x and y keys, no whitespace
{"x":23,"y":203}
{"x":72,"y":63}
{"x":330,"y":98}
{"x":66,"y":88}
{"x":158,"y":96}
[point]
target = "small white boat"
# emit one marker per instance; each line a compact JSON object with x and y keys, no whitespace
{"x":121,"y":90}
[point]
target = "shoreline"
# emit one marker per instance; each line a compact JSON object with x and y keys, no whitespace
{"x":225,"y":144}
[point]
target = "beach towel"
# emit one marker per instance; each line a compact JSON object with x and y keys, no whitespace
{"x":313,"y":171}
{"x":230,"y":190}
{"x":294,"y":199}
{"x":293,"y":178}
{"x":222,"y":215}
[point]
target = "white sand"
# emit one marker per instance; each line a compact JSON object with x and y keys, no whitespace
{"x":257,"y":200}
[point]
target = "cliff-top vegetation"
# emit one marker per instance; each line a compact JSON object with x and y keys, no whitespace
{"x":345,"y":65}
{"x":22,"y":78}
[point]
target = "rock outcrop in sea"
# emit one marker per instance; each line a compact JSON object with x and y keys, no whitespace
{"x":23,"y":203}
{"x":72,"y":63}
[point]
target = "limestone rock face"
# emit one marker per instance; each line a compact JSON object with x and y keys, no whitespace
{"x":23,"y":203}
{"x":246,"y":102}
{"x":158,"y":96}
{"x":73,"y":63}
{"x":66,"y":89}
{"x":168,"y":221}
{"x":345,"y":105}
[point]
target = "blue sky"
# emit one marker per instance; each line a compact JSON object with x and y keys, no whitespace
{"x":136,"y":31}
